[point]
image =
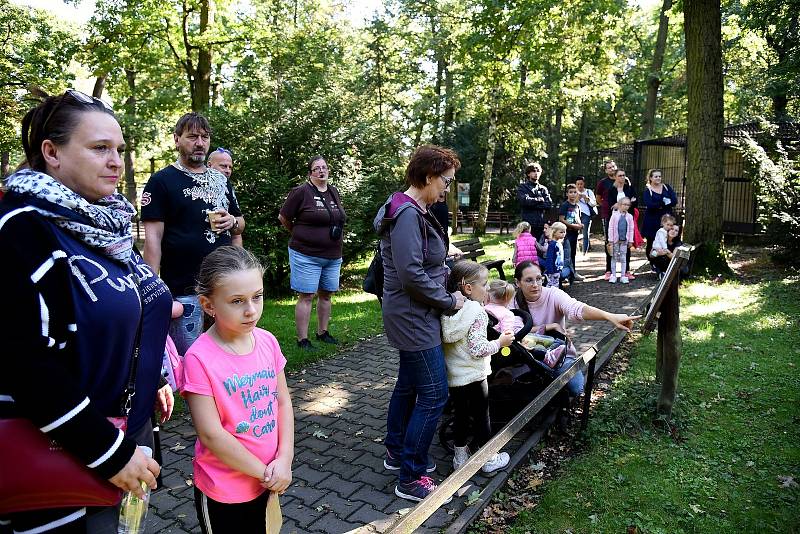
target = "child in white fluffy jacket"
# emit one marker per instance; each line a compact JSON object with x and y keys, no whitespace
{"x":468,"y":355}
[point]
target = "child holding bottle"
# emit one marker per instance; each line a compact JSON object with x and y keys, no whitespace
{"x":468,"y":355}
{"x":236,"y":390}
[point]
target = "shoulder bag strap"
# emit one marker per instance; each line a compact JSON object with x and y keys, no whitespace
{"x":126,"y":400}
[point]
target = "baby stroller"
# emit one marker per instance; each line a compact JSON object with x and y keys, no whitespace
{"x":516,"y":380}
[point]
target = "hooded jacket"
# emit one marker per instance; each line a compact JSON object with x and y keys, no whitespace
{"x":467,"y":352}
{"x":413,"y":248}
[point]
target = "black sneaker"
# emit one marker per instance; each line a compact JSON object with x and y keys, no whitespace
{"x":306,"y":345}
{"x":326,"y":337}
{"x":393,"y":464}
{"x":416,"y":490}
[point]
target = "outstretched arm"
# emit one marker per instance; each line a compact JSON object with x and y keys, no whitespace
{"x":619,"y":320}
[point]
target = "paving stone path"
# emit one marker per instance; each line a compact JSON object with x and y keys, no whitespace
{"x":340,"y":484}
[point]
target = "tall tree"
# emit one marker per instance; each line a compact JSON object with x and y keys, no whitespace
{"x":704,"y":178}
{"x":654,"y":77}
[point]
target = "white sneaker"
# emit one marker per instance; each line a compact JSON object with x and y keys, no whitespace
{"x":460,"y":456}
{"x":498,"y":461}
{"x":613,"y":279}
{"x":624,"y":279}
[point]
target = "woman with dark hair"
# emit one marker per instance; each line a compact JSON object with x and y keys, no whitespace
{"x":314,"y":215}
{"x":659,"y":199}
{"x":84,"y":305}
{"x":414,"y":248}
{"x":550,"y":307}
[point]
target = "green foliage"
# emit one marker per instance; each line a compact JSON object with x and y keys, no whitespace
{"x":34,"y":51}
{"x":729,"y":463}
{"x":777,"y":181}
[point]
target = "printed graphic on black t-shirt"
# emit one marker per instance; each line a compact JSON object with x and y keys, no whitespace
{"x":181,"y":201}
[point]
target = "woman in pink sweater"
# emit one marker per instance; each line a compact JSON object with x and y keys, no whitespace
{"x":550,"y":307}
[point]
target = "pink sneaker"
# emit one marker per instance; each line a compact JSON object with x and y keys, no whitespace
{"x":607,"y":275}
{"x":629,"y":276}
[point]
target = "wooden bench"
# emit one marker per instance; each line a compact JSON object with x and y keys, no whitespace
{"x":472,"y":250}
{"x":501,"y":219}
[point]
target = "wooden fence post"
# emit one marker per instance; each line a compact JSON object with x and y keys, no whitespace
{"x":668,"y":349}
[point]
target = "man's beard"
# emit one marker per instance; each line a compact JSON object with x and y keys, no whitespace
{"x":193,"y":158}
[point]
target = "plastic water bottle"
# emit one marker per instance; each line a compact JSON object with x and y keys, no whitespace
{"x":132,"y":509}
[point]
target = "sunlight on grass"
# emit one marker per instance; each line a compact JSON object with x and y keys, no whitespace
{"x":723,"y":466}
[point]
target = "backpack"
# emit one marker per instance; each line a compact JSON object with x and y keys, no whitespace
{"x":373,"y":281}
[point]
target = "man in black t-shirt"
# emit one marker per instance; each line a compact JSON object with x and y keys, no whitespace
{"x":188,"y":210}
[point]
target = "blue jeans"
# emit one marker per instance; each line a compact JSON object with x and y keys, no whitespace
{"x":187,"y":328}
{"x":576,"y":383}
{"x":587,"y":223}
{"x":414,"y":409}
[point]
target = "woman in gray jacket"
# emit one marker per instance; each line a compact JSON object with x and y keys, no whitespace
{"x":414,"y":246}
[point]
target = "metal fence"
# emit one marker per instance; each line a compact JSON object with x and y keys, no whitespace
{"x":669,"y":154}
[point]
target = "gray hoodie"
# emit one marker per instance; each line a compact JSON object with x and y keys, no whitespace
{"x":413,"y":247}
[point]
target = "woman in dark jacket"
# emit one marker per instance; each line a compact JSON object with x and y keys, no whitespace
{"x":76,"y":291}
{"x":414,"y":248}
{"x":659,"y":199}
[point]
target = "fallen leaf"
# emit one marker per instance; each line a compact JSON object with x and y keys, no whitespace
{"x":359,"y":432}
{"x":189,"y":482}
{"x":378,"y":440}
{"x":535,"y":483}
{"x":696,"y":509}
{"x":538,"y":466}
{"x":319,"y":434}
{"x":473,"y":498}
{"x":177,"y":447}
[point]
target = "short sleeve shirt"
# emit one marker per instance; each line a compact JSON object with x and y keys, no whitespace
{"x":571,"y":213}
{"x":311,"y":221}
{"x":245,"y":392}
{"x":181,"y":201}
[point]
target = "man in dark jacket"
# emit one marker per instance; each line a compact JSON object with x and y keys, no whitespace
{"x":534,"y":199}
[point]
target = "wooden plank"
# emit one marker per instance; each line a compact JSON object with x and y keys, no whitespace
{"x":680,"y":257}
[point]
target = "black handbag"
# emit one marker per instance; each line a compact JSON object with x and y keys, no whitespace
{"x":373,"y":281}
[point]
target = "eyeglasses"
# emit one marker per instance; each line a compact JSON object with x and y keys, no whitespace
{"x":81,"y":98}
{"x":319,"y":168}
{"x":447,"y":180}
{"x":535,"y":280}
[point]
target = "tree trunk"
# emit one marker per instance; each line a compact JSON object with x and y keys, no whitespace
{"x":523,"y":77}
{"x":704,"y":178}
{"x":437,"y":97}
{"x":779,"y":104}
{"x":583,"y":146}
{"x":99,"y":85}
{"x":202,"y":75}
{"x":130,"y":111}
{"x":5,"y":161}
{"x":668,"y":350}
{"x":554,"y":146}
{"x":654,"y":78}
{"x":486,"y":187}
{"x":449,"y":107}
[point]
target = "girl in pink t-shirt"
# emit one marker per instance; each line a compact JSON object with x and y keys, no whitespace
{"x":236,"y":390}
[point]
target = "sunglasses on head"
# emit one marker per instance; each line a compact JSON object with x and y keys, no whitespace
{"x":224,"y":151}
{"x":81,"y":98}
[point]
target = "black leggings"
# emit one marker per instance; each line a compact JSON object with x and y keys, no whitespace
{"x":218,"y":517}
{"x":471,"y":408}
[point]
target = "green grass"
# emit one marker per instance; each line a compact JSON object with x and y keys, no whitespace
{"x":735,"y":435}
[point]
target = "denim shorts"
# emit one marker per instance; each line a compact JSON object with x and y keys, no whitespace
{"x":187,"y":328}
{"x":309,"y":273}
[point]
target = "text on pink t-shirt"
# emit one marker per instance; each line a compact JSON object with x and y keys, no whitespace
{"x":245,"y":390}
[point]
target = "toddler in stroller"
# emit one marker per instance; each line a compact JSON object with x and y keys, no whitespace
{"x":518,"y":373}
